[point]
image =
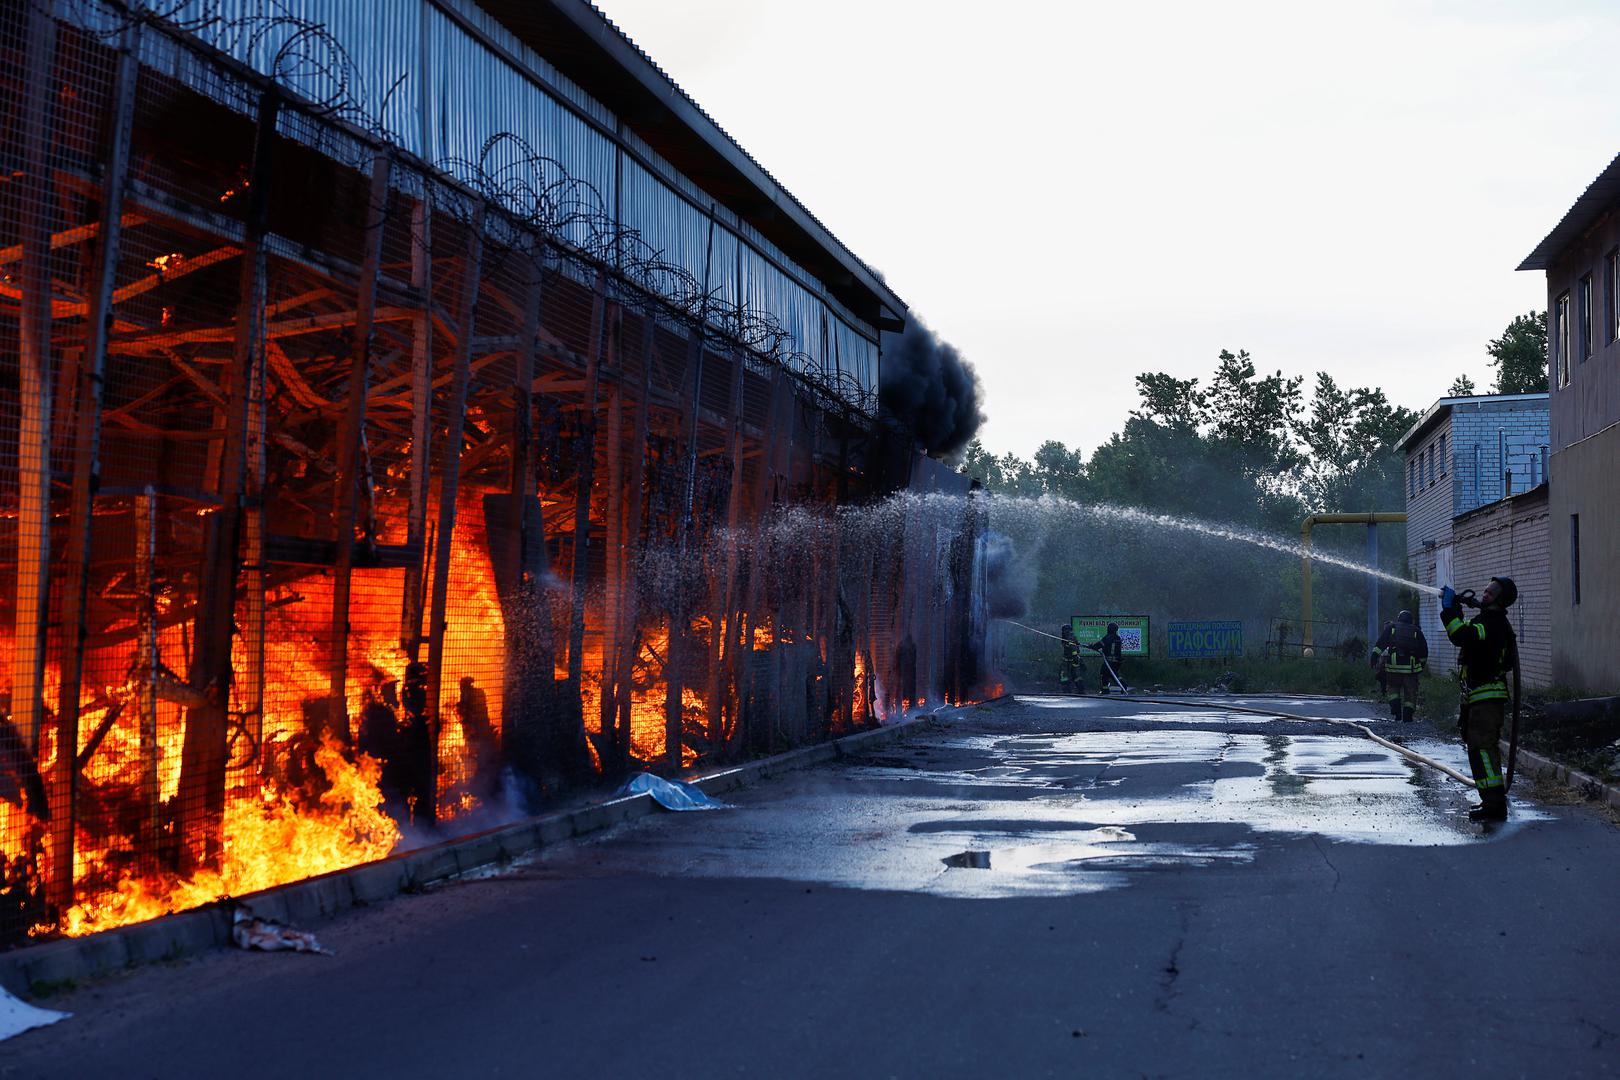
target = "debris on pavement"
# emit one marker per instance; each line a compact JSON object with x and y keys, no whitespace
{"x":249,"y":931}
{"x":17,"y":1016}
{"x":671,"y":794}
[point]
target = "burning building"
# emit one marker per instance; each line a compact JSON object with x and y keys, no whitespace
{"x":405,"y":404}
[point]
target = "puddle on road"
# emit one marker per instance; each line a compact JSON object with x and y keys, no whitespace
{"x":1002,"y":815}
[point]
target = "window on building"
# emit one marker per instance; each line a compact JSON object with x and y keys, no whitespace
{"x":1560,"y":339}
{"x":1411,"y":477}
{"x":1583,"y":318}
{"x":1443,"y":459}
{"x":1428,"y":467}
{"x":1611,"y":297}
{"x":1574,"y":558}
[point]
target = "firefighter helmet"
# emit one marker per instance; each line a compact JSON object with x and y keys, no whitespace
{"x":1506,"y":591}
{"x":1113,"y":628}
{"x":1404,"y":618}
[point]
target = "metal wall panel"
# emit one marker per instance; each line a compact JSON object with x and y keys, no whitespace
{"x":473,"y":95}
{"x":499,"y":34}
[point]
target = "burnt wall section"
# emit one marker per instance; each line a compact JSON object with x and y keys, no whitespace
{"x":350,"y":507}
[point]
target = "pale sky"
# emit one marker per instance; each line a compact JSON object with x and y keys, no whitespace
{"x":1075,"y":192}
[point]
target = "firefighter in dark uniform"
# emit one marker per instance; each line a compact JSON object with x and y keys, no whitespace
{"x":1404,"y":651}
{"x":1486,"y":652}
{"x":1072,"y":675}
{"x":419,"y":779}
{"x":1113,"y":654}
{"x":1377,"y":661}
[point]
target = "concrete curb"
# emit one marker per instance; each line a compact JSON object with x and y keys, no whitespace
{"x":1542,"y":768}
{"x":306,"y":902}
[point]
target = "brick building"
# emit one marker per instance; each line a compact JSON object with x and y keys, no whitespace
{"x":1474,"y":466}
{"x":1582,"y":259}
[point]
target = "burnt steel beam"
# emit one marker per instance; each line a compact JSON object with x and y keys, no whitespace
{"x":624,"y":667}
{"x":201,"y":795}
{"x":449,"y":481}
{"x":410,"y":621}
{"x":582,"y":491}
{"x":350,"y":442}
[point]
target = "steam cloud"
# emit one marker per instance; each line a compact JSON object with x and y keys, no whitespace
{"x":1007,"y":582}
{"x":930,"y":389}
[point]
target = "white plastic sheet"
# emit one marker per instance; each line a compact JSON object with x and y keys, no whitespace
{"x":17,"y":1016}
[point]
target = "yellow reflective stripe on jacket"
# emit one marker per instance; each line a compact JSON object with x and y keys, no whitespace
{"x":1453,"y":623}
{"x":1491,"y":691}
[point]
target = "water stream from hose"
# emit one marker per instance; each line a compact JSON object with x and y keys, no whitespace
{"x":1127,"y":515}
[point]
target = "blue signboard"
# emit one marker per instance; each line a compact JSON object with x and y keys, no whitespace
{"x":1199,"y":640}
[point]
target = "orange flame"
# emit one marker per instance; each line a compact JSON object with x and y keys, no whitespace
{"x":268,"y":841}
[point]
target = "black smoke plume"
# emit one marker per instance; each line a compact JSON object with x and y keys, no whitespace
{"x":929,"y":390}
{"x":1007,"y":582}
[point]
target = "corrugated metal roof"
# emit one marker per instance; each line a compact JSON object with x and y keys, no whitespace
{"x":1599,"y":198}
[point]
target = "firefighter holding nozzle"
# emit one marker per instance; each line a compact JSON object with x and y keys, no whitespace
{"x":1072,"y":675}
{"x":1401,"y":653}
{"x":1487,"y":650}
{"x":1112,"y":650}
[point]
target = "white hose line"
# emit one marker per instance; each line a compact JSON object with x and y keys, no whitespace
{"x":1341,"y":721}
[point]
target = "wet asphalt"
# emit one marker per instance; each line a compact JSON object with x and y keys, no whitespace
{"x":1039,"y":886}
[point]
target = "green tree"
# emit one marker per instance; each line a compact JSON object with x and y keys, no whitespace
{"x":1349,"y":436}
{"x":1250,"y":419}
{"x":1461,"y":386}
{"x":1061,"y":471}
{"x":1008,"y":474}
{"x":1520,"y":355}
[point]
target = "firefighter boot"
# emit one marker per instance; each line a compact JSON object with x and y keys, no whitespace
{"x":1488,"y":779}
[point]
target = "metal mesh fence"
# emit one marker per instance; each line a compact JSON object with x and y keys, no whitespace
{"x":349,"y":502}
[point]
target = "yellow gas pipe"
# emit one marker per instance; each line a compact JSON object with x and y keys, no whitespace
{"x":1379,"y":518}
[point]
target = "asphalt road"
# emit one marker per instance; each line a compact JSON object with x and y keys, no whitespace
{"x":1044,"y":886}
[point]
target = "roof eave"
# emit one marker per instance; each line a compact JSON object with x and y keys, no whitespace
{"x":1599,"y":198}
{"x":613,"y":42}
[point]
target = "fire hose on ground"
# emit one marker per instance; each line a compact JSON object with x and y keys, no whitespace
{"x":1341,"y":721}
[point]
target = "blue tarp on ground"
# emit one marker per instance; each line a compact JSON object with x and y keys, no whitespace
{"x":671,"y":794}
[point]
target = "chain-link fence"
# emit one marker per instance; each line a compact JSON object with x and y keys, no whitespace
{"x":350,"y":496}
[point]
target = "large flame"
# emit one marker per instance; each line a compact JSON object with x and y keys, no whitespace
{"x":270,"y":840}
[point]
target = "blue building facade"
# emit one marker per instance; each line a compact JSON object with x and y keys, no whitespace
{"x":1464,"y":453}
